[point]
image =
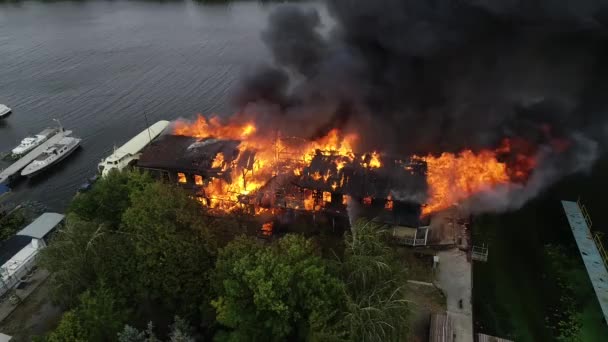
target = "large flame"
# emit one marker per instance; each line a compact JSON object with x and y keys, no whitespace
{"x":451,"y":177}
{"x":214,"y":127}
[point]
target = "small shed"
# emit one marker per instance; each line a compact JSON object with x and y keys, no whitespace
{"x":18,"y":254}
{"x":42,"y":226}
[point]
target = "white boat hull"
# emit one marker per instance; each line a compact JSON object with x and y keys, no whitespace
{"x":129,"y":153}
{"x":4,"y":111}
{"x":32,"y":170}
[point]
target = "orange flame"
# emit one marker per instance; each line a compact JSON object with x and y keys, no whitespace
{"x":267,"y":228}
{"x":452,"y":178}
{"x":214,"y":127}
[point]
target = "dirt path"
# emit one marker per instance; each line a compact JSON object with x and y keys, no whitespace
{"x":35,"y":316}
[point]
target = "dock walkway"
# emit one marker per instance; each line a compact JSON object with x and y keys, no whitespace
{"x":10,"y":172}
{"x":590,"y":253}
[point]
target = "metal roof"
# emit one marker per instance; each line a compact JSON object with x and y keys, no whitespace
{"x":187,"y":154}
{"x":42,"y":225}
{"x":12,"y":246}
{"x":137,"y":143}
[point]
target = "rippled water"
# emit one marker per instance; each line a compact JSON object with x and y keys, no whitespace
{"x":97,"y":66}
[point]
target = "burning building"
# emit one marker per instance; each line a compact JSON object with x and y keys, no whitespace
{"x":230,"y":166}
{"x":405,"y":106}
{"x":237,"y":171}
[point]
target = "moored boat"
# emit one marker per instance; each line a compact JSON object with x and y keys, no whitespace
{"x":128,"y":153}
{"x":53,"y":155}
{"x":4,"y":110}
{"x":31,"y":142}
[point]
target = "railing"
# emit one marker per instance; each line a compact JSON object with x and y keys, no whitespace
{"x":419,"y":242}
{"x":480,"y":253}
{"x":410,"y":241}
{"x":597,"y":236}
{"x":585,"y":213}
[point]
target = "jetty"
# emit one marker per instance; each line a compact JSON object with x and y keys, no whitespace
{"x":591,"y":249}
{"x":8,"y":174}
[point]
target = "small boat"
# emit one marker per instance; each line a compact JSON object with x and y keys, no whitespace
{"x":89,"y":184}
{"x":54,"y":154}
{"x":128,"y":153}
{"x":4,"y":190}
{"x":30,"y":143}
{"x":4,"y":111}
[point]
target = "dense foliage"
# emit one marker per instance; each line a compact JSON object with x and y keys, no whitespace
{"x":13,"y":222}
{"x":376,"y":305}
{"x":279,"y":292}
{"x":135,"y":251}
{"x":99,"y":316}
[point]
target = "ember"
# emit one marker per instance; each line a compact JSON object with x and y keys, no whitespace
{"x":267,"y":228}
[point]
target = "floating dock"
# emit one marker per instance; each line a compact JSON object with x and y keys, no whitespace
{"x":592,"y":258}
{"x":12,"y":171}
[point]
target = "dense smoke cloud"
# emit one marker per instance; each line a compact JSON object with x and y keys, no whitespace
{"x":413,"y":76}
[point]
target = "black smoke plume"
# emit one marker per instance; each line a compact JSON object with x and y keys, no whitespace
{"x":414,"y":76}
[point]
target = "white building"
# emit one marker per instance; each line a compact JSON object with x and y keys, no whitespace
{"x":18,"y":254}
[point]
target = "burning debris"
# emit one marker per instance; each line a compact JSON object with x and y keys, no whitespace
{"x":233,"y":166}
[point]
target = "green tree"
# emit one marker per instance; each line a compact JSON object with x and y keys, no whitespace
{"x":69,"y":329}
{"x":376,"y":306}
{"x":83,"y":254}
{"x":159,"y":253}
{"x":98,"y":317}
{"x":130,"y":334}
{"x":568,"y":281}
{"x":173,"y":248}
{"x":12,"y":223}
{"x":180,"y":331}
{"x":273,"y":293}
{"x":110,"y":197}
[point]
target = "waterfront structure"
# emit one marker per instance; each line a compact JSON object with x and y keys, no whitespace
{"x":18,"y":253}
{"x":591,"y":252}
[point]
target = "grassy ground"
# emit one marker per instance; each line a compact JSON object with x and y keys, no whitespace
{"x":516,"y":291}
{"x":425,"y":300}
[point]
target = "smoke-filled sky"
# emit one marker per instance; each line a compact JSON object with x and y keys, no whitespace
{"x":437,"y":75}
{"x":427,"y":76}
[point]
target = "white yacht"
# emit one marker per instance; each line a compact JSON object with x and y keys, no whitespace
{"x":54,"y":154}
{"x":30,"y":143}
{"x":4,"y":111}
{"x":130,"y":152}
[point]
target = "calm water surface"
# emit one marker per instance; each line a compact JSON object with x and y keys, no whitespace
{"x":97,"y":66}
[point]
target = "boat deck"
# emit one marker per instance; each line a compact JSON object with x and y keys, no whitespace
{"x":10,"y":172}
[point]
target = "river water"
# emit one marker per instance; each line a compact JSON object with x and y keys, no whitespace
{"x":98,"y":66}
